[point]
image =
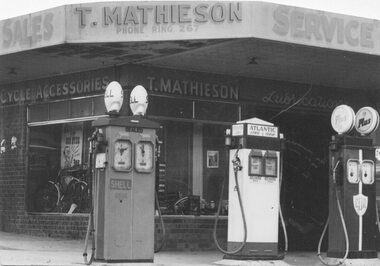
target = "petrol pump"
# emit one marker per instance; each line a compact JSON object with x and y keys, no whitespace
{"x":352,"y":188}
{"x":254,"y":191}
{"x":124,"y":180}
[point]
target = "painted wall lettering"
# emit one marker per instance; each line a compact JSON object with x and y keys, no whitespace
{"x":284,"y":98}
{"x":193,"y":88}
{"x":312,"y":25}
{"x":27,"y":31}
{"x":53,"y":90}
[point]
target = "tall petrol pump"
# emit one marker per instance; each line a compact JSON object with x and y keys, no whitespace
{"x":254,"y":191}
{"x":352,"y":189}
{"x":124,"y":177}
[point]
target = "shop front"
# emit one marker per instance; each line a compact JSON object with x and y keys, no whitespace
{"x":47,"y":107}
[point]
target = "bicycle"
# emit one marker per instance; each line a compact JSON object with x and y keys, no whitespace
{"x":67,"y":193}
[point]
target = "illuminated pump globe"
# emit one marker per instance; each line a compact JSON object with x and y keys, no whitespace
{"x":113,"y":97}
{"x":138,"y":100}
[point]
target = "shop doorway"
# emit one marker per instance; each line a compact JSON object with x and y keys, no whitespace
{"x":304,"y":194}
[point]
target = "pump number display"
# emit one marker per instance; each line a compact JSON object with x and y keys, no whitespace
{"x":353,"y":171}
{"x":144,"y":157}
{"x":368,"y":172}
{"x":122,"y":160}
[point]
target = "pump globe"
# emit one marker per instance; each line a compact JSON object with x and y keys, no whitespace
{"x":138,"y":100}
{"x":113,"y":97}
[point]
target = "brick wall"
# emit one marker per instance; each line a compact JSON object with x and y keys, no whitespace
{"x":191,"y":232}
{"x":12,"y":166}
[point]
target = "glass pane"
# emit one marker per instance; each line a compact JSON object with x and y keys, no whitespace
{"x":161,"y":106}
{"x":58,"y":161}
{"x":38,"y":112}
{"x":81,"y":108}
{"x":216,"y":111}
{"x":59,"y":110}
{"x":99,"y":107}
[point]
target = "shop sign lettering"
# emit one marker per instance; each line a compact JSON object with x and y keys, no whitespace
{"x":312,"y":25}
{"x":193,"y":88}
{"x":162,"y":14}
{"x":284,"y":98}
{"x":53,"y":90}
{"x":27,"y":30}
{"x":120,"y":184}
{"x":262,"y":131}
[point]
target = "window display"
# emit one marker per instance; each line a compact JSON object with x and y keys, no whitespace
{"x":58,"y":178}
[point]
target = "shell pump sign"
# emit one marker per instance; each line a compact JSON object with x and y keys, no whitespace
{"x":125,"y":163}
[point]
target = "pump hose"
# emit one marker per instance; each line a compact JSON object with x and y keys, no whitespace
{"x":90,"y":228}
{"x":162,"y":224}
{"x":377,"y":216}
{"x":91,"y":224}
{"x":280,"y":211}
{"x":242,"y":215}
{"x":341,"y":261}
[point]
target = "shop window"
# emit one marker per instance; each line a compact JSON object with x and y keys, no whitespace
{"x":38,"y":112}
{"x":58,"y":110}
{"x":57,"y":168}
{"x":170,"y":107}
{"x":81,"y":107}
{"x":216,"y":111}
{"x":99,"y":106}
{"x":215,"y":162}
{"x":66,"y":110}
{"x":175,"y":177}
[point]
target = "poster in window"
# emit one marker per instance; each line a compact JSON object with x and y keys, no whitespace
{"x":71,"y":145}
{"x":212,"y":159}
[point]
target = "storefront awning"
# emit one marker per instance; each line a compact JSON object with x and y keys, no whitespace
{"x":249,"y":39}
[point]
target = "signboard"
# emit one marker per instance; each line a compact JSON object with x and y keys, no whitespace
{"x":237,"y":130}
{"x":149,"y":21}
{"x":40,"y":29}
{"x":128,"y":21}
{"x":262,"y":131}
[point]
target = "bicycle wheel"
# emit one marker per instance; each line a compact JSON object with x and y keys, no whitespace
{"x":47,"y":198}
{"x":83,"y":196}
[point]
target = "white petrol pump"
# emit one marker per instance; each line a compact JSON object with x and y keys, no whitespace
{"x":124,"y":180}
{"x":352,"y":188}
{"x":254,"y":191}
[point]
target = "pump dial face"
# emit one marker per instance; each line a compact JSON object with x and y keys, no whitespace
{"x":368,"y":172}
{"x":122,"y":155}
{"x":144,"y":156}
{"x":353,"y":171}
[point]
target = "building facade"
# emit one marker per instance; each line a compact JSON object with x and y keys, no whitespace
{"x":205,"y":66}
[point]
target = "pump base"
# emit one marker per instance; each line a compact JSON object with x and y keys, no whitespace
{"x":125,"y":260}
{"x":367,"y":254}
{"x":225,"y":262}
{"x":354,"y":262}
{"x":253,"y":257}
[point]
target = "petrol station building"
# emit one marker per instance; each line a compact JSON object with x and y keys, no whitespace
{"x":205,"y":66}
